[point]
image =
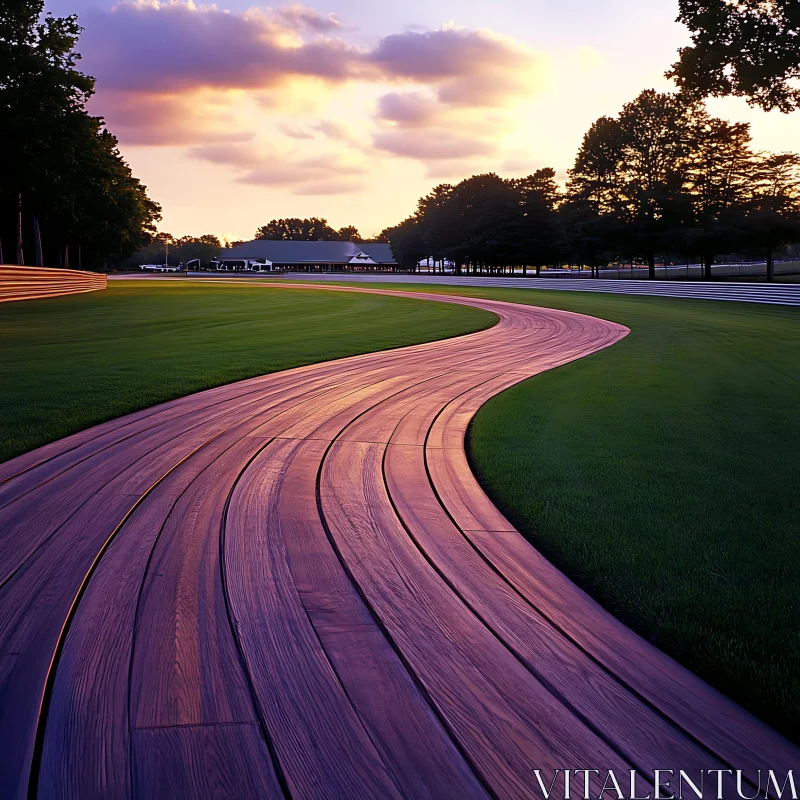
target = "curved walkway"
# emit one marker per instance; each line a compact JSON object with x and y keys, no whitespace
{"x":35,"y":283}
{"x":785,"y":294}
{"x":293,"y":586}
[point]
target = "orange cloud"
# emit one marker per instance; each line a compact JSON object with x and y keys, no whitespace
{"x":231,"y":86}
{"x":431,"y":144}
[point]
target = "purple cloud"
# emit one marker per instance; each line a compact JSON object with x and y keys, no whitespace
{"x":164,"y":69}
{"x":237,"y":155}
{"x":166,"y":120}
{"x":301,"y":175}
{"x":303,"y":18}
{"x":409,"y":109}
{"x":176,"y":47}
{"x":431,"y":144}
{"x":447,"y":53}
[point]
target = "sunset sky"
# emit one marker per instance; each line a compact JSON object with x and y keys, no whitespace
{"x":234,"y":114}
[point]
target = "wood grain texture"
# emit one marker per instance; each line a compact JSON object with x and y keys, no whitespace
{"x":202,"y":763}
{"x":33,"y":283}
{"x":294,"y":584}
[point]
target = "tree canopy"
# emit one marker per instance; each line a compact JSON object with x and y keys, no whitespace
{"x":307,"y":230}
{"x":483,"y":222}
{"x":745,"y":48}
{"x":61,"y":167}
{"x":663,"y":177}
{"x":177,"y":250}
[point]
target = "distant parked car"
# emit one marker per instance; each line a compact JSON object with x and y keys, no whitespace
{"x":160,"y":267}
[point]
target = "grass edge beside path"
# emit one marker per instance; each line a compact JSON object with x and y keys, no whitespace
{"x":661,"y":475}
{"x":69,"y":363}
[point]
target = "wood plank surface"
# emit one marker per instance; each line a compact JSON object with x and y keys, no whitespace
{"x":33,"y":283}
{"x":320,"y":742}
{"x":294,"y":586}
{"x":504,"y":719}
{"x":202,"y":763}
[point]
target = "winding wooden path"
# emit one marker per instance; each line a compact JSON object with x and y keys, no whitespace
{"x":292,"y":586}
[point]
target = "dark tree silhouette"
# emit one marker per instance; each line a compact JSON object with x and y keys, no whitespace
{"x":181,"y":250}
{"x":62,"y":169}
{"x":656,"y":135}
{"x":663,"y":177}
{"x":437,"y":229}
{"x":307,"y":230}
{"x":407,"y":245}
{"x":773,"y":212}
{"x":300,"y":230}
{"x":746,"y":48}
{"x":349,"y":234}
{"x":539,"y":196}
{"x":720,"y":179}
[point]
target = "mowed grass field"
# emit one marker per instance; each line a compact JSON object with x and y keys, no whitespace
{"x":72,"y":362}
{"x":663,"y":476}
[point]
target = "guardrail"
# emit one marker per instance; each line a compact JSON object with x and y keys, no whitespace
{"x":33,"y":283}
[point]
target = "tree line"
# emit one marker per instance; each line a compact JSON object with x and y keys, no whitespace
{"x":662,"y":179}
{"x":66,"y":195}
{"x":314,"y":229}
{"x":165,"y":248}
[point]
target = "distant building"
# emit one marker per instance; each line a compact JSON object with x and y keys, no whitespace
{"x":268,"y":255}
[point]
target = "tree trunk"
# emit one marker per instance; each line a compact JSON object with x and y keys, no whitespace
{"x":20,"y":254}
{"x":707,"y":267}
{"x":37,"y":242}
{"x":651,"y":266}
{"x":770,"y":266}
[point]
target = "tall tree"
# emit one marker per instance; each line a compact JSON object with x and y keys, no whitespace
{"x":720,"y":178}
{"x":773,"y":213}
{"x":596,"y":177}
{"x":485,"y":223}
{"x":539,"y":195}
{"x":437,"y":228}
{"x":656,"y":132}
{"x":60,"y":165}
{"x":593,"y":208}
{"x":745,"y":48}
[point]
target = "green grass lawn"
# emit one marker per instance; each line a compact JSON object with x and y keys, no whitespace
{"x":71,"y":362}
{"x":663,"y":475}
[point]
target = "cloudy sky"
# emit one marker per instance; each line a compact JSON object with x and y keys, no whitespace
{"x":235,"y":113}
